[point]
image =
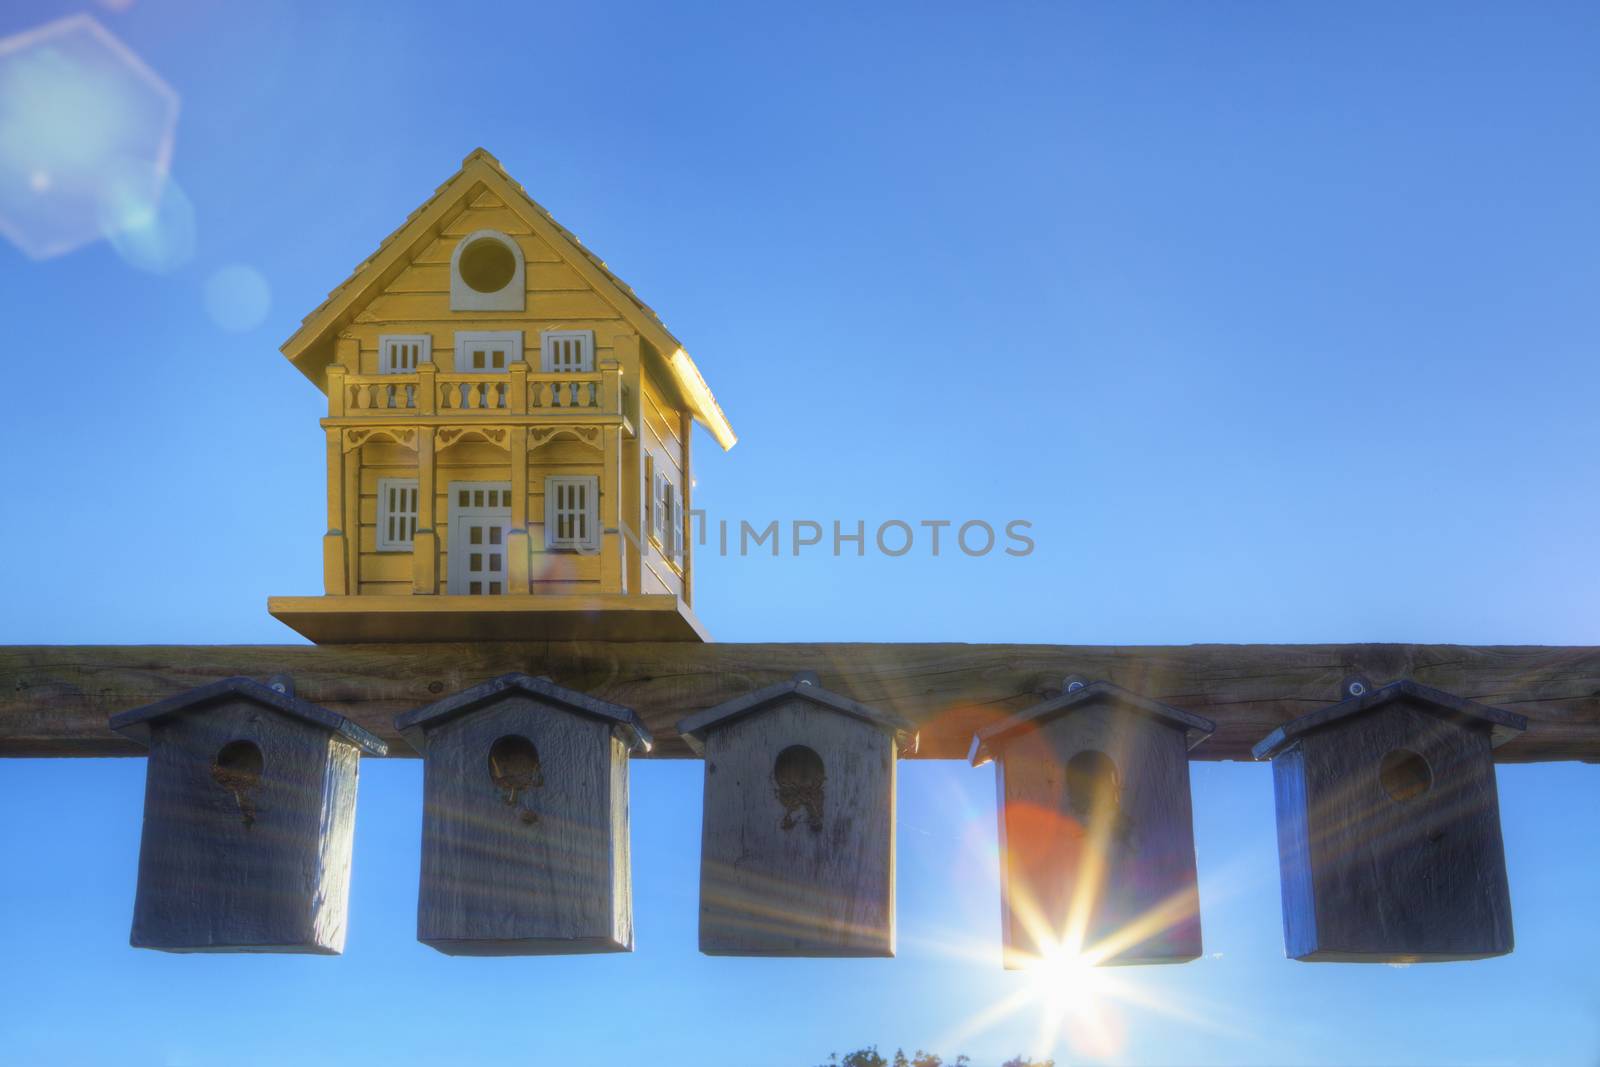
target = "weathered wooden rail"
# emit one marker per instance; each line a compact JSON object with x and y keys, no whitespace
{"x":54,"y":700}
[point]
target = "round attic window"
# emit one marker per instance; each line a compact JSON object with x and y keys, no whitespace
{"x":487,"y":265}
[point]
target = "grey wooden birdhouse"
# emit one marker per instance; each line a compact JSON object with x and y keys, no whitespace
{"x":1097,"y":853}
{"x":525,"y":820}
{"x":797,"y":837}
{"x":1389,"y":827}
{"x":249,"y":811}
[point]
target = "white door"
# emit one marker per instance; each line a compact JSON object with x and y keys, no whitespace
{"x":480,"y":518}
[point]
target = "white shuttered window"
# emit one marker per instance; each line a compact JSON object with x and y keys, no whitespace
{"x":675,"y":535}
{"x":402,"y":353}
{"x":397,"y":514}
{"x":658,"y":509}
{"x":566,"y":351}
{"x":487,"y":352}
{"x":668,"y":518}
{"x":571,"y":511}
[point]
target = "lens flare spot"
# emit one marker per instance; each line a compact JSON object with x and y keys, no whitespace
{"x":237,"y":298}
{"x":147,"y":218}
{"x":76,"y":105}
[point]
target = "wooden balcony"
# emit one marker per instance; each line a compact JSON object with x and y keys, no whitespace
{"x":517,"y":393}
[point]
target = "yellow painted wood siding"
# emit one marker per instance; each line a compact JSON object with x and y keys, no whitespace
{"x":389,"y":573}
{"x":659,"y":440}
{"x":418,"y":299}
{"x":562,"y":571}
{"x":380,"y":573}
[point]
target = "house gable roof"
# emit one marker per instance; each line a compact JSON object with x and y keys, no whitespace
{"x":415,"y":724}
{"x":311,"y":347}
{"x":804,"y":686}
{"x":1503,"y":725}
{"x":1195,"y":728}
{"x":135,"y":723}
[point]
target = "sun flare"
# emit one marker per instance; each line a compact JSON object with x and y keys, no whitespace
{"x":1063,"y":976}
{"x":1071,"y":996}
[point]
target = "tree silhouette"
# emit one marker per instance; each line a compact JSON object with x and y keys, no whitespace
{"x":871,"y":1057}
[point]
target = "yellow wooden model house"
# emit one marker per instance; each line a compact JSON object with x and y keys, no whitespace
{"x":507,"y":436}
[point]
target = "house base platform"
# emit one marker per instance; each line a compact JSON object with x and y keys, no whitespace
{"x":344,"y":620}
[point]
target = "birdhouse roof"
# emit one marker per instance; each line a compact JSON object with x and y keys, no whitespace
{"x":1503,"y":725}
{"x":135,"y":723}
{"x":695,"y":728}
{"x":311,"y":348}
{"x":415,"y":724}
{"x":1195,"y":728}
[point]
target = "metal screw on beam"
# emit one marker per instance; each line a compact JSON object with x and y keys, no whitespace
{"x":1355,"y":685}
{"x":281,"y":683}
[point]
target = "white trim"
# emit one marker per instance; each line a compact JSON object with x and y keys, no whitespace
{"x":396,"y":352}
{"x":477,"y":505}
{"x":660,"y":510}
{"x":464,"y":297}
{"x":511,"y":340}
{"x":397,"y":514}
{"x":649,"y":497}
{"x":675,"y":518}
{"x":554,"y":343}
{"x":666,"y":526}
{"x":557,"y":500}
{"x":493,"y":521}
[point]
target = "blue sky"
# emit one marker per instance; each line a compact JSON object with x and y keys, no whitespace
{"x":1277,"y":323}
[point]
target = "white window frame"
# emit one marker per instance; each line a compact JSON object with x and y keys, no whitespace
{"x":666,"y":527}
{"x":389,"y":344}
{"x":659,"y":509}
{"x":675,"y":534}
{"x":511,"y":339}
{"x":591,"y":507}
{"x":549,"y":339}
{"x":464,"y":297}
{"x":386,"y":513}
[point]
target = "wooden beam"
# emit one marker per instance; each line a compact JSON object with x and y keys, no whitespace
{"x":54,"y":700}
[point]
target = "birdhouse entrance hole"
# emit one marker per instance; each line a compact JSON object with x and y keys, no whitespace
{"x":514,"y":769}
{"x":487,"y":265}
{"x":1091,"y":783}
{"x":1405,"y":775}
{"x":237,"y":769}
{"x":799,"y":775}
